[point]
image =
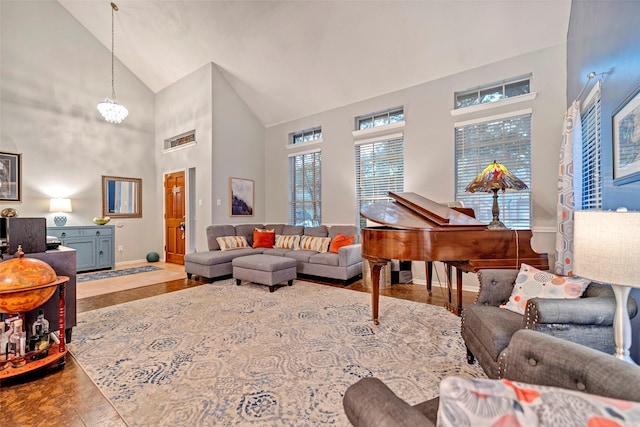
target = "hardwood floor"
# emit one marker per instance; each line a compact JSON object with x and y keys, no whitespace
{"x":67,"y":397}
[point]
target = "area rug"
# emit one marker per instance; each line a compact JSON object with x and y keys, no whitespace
{"x":222,"y":355}
{"x":86,"y":277}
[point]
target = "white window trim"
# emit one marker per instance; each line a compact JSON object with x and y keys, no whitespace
{"x":378,"y":130}
{"x":179,"y":147}
{"x":493,"y":118}
{"x":595,"y":90}
{"x":378,"y":138}
{"x":301,"y":153}
{"x":490,"y":105}
{"x":304,"y":144}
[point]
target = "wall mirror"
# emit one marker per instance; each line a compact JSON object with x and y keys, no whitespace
{"x":121,"y":197}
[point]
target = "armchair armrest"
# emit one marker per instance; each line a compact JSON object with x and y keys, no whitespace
{"x":579,"y":311}
{"x":537,"y":358}
{"x":349,"y":255}
{"x":369,"y":402}
{"x":495,"y":286}
{"x":596,"y":307}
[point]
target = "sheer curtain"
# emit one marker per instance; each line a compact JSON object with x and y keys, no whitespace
{"x":570,"y":152}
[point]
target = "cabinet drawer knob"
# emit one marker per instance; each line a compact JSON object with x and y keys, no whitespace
{"x":101,"y":252}
{"x":63,"y":234}
{"x":97,"y":233}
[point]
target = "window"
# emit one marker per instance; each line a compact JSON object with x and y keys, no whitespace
{"x":380,"y":118}
{"x":306,"y":135}
{"x":493,"y":92}
{"x":590,"y":193}
{"x":506,"y":139}
{"x":182,"y":139}
{"x":379,"y":169}
{"x":305,"y":201}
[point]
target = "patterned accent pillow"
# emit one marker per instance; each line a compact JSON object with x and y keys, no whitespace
{"x":287,"y":241}
{"x":482,"y":402}
{"x":232,"y":242}
{"x":339,"y":241}
{"x":318,"y":244}
{"x":534,"y":283}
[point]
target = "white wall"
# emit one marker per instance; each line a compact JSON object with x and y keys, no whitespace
{"x":429,"y":142}
{"x":52,"y":75}
{"x":229,"y":143}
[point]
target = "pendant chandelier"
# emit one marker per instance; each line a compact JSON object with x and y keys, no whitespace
{"x":109,"y":108}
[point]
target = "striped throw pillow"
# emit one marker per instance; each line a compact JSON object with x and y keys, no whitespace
{"x":318,"y":244}
{"x":232,"y":242}
{"x":287,"y":241}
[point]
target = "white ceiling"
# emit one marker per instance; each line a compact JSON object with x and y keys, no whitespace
{"x":291,"y":59}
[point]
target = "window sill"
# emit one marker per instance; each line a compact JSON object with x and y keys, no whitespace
{"x":491,"y":105}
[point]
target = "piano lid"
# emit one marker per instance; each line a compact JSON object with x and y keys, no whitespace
{"x":412,"y":211}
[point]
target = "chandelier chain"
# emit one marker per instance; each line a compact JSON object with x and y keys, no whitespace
{"x":113,"y":86}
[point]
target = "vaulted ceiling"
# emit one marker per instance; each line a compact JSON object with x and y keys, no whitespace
{"x":291,"y":59}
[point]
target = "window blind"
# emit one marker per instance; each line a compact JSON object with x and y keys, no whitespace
{"x":506,"y":140}
{"x":379,"y":169}
{"x":305,"y":183}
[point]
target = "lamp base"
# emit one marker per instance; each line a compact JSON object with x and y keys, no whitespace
{"x":497,"y":225}
{"x":60,"y":220}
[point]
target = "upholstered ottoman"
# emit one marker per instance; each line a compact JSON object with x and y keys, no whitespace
{"x":267,"y":270}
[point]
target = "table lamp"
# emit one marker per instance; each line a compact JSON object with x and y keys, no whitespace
{"x":493,"y":178}
{"x":60,"y":205}
{"x":606,"y":249}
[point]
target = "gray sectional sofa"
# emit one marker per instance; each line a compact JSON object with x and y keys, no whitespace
{"x":344,"y":266}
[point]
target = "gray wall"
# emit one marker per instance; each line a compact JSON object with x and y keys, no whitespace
{"x":603,"y":37}
{"x":53,"y":73}
{"x":429,"y":142}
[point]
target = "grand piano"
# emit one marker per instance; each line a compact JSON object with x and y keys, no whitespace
{"x":415,"y":228}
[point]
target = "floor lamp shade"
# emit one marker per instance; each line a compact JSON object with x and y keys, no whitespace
{"x":606,"y":249}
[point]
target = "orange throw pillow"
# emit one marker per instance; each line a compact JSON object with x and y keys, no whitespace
{"x":339,"y":241}
{"x":263,"y":238}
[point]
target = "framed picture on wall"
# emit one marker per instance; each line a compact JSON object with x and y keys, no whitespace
{"x":10,"y":177}
{"x":241,"y":197}
{"x":626,"y":140}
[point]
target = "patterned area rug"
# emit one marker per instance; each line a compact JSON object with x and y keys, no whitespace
{"x":221,"y":354}
{"x":115,"y":273}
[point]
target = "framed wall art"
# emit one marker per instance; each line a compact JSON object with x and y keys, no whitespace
{"x":626,"y":140}
{"x":241,"y":197}
{"x":10,"y":177}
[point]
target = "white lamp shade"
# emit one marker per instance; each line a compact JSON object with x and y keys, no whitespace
{"x":60,"y":205}
{"x":606,"y":247}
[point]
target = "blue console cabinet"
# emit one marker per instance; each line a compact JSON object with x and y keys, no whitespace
{"x":94,"y":245}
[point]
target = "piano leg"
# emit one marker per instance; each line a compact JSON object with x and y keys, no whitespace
{"x":457,"y":308}
{"x":375,"y":267}
{"x":429,"y":274}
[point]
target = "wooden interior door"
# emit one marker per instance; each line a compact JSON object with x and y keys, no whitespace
{"x":174,"y":217}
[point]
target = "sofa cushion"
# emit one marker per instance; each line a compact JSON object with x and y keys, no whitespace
{"x":276,"y":251}
{"x":277,"y":228}
{"x":301,"y":255}
{"x":263,"y":238}
{"x":319,"y":231}
{"x":339,"y":241}
{"x":347,"y":230}
{"x":293,"y":229}
{"x":482,"y":402}
{"x":324,"y":258}
{"x":215,"y":231}
{"x":246,"y":230}
{"x":218,"y":257}
{"x":534,"y":283}
{"x":232,"y":242}
{"x":287,"y":242}
{"x":318,"y":244}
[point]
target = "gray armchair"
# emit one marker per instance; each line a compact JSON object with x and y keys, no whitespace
{"x":531,"y":357}
{"x":487,"y":329}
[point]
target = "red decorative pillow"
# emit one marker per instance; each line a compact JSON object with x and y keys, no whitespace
{"x":339,"y":241}
{"x":263,"y":238}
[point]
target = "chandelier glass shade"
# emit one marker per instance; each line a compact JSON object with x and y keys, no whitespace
{"x":109,"y":108}
{"x":112,"y":111}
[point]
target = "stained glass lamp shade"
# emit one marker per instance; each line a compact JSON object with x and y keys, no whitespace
{"x":493,"y":178}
